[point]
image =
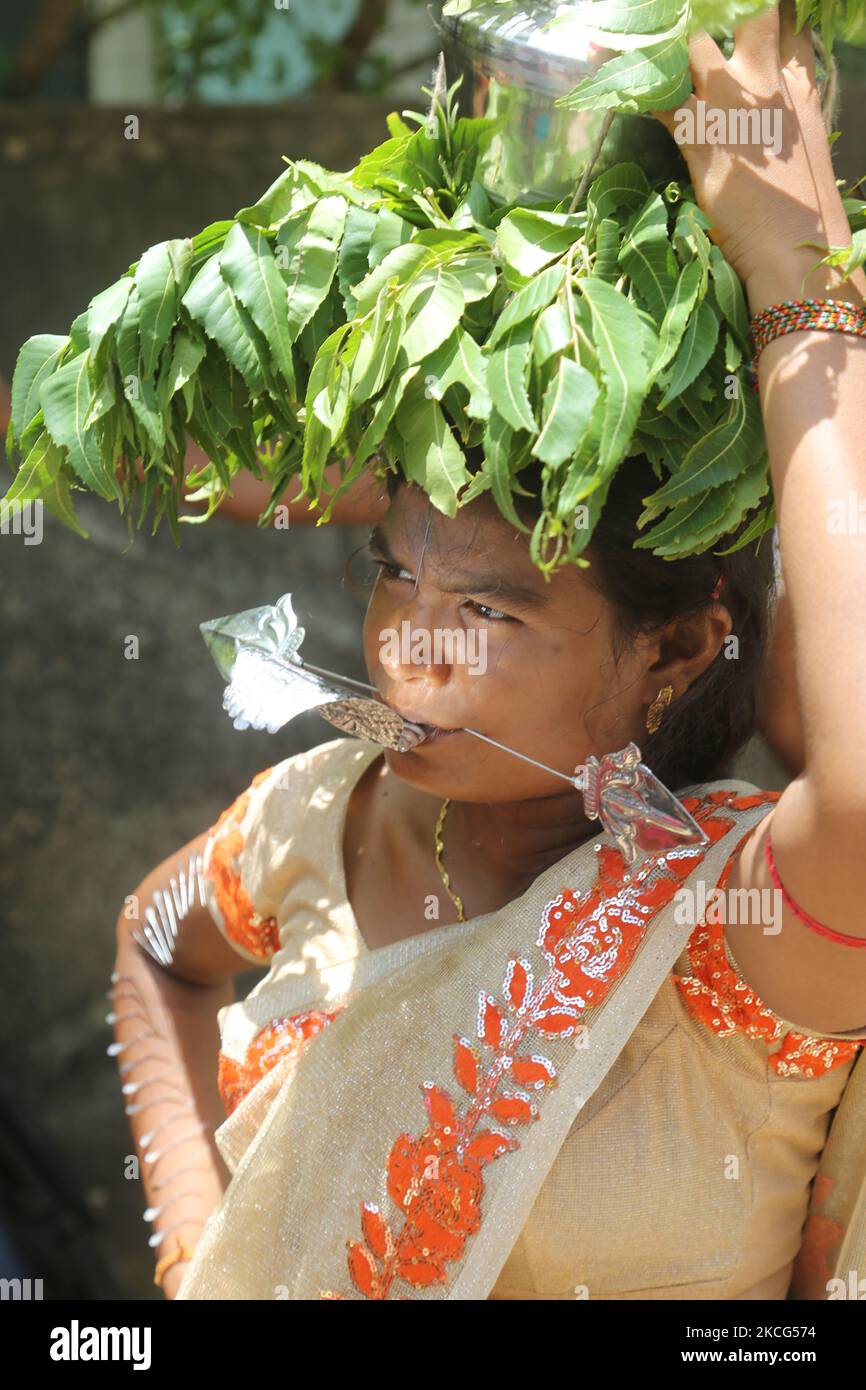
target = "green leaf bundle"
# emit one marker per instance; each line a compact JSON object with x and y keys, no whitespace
{"x":392,"y":318}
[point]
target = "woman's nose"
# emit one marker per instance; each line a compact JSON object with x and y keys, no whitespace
{"x":413,"y":646}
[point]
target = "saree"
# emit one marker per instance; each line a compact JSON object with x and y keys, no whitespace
{"x":394,"y":1113}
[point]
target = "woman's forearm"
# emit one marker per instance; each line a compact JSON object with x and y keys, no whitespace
{"x":362,"y":504}
{"x":169,"y":1039}
{"x":813,"y":387}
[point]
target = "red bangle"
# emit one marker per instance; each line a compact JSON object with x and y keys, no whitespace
{"x":818,"y":927}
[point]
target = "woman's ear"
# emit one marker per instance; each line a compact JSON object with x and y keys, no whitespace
{"x":685,"y":648}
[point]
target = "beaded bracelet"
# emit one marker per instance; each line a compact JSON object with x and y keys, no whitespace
{"x":793,"y":315}
{"x":839,"y":937}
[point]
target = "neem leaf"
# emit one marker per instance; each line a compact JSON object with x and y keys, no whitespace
{"x":476,"y":273}
{"x":247,"y":265}
{"x":432,"y":456}
{"x":306,"y":254}
{"x":695,"y":350}
{"x":607,"y":248}
{"x":400,"y":264}
{"x":507,"y":371}
{"x":211,"y":303}
{"x":583,"y":476}
{"x":161,"y":277}
{"x":353,"y":264}
{"x":434,"y":305}
{"x":527,"y":302}
{"x":733,"y":352}
{"x":378,"y":349}
{"x":551,"y":332}
{"x":105,"y":309}
{"x":38,"y":359}
{"x":677,"y":314}
{"x":730,"y":297}
{"x":743,"y":495}
{"x":500,"y":466}
{"x":65,"y":398}
{"x":623,"y":185}
{"x":318,"y":437}
{"x":728,"y":450}
{"x":528,"y":240}
{"x":383,"y":413}
{"x":459,"y":360}
{"x":284,"y":195}
{"x":40,"y":479}
{"x":619,"y":339}
{"x":647,"y":257}
{"x":635,"y":16}
{"x":188,"y":349}
{"x":656,"y":78}
{"x":389,"y":232}
{"x":694,"y":514}
{"x":688,"y":237}
{"x":568,"y":403}
{"x":697,"y":523}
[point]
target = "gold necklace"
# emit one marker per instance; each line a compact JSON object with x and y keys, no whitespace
{"x":443,"y":872}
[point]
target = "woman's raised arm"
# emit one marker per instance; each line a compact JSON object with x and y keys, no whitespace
{"x":813,"y":399}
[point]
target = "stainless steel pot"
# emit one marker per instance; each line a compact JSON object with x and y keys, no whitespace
{"x":513,"y":67}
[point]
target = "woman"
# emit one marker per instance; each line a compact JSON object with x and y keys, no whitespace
{"x":449,"y":919}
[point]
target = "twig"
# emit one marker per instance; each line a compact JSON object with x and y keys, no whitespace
{"x":590,"y":164}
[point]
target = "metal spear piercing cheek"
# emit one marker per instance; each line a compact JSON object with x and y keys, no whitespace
{"x":257,"y":653}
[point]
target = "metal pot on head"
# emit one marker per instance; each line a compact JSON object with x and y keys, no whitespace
{"x":514,"y":67}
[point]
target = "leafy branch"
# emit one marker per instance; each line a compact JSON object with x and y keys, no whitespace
{"x":393,"y":318}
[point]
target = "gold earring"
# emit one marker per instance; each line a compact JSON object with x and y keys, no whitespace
{"x":658,"y":707}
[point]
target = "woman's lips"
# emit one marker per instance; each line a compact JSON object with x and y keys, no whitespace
{"x":436,"y":735}
{"x":433,"y":732}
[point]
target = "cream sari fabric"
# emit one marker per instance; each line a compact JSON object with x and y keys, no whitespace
{"x":640,"y":1157}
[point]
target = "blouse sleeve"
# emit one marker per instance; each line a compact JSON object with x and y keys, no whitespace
{"x":716,"y":993}
{"x":235,"y":872}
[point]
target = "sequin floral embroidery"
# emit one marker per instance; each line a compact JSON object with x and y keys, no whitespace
{"x":436,"y":1179}
{"x":282,"y":1037}
{"x":725,"y":1003}
{"x":246,"y":927}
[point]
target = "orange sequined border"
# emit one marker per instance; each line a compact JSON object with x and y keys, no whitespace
{"x":725,"y":1003}
{"x":436,"y":1180}
{"x":242,"y":924}
{"x":282,"y":1037}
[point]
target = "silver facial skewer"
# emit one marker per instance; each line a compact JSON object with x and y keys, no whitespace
{"x":576,"y":781}
{"x":345,"y":680}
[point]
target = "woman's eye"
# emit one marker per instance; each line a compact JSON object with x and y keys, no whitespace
{"x":489,"y":614}
{"x":392,"y":571}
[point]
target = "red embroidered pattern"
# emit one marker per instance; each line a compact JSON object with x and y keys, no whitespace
{"x":436,"y":1179}
{"x":259,"y":935}
{"x":283,"y":1037}
{"x":716,"y":994}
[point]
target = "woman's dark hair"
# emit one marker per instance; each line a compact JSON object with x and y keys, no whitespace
{"x":702,"y":730}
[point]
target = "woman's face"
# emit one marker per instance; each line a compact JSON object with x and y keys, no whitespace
{"x":541,"y":678}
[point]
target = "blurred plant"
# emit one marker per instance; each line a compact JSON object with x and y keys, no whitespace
{"x":202,"y":38}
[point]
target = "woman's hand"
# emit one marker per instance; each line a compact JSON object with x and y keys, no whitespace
{"x":173,"y":1278}
{"x":763,"y":199}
